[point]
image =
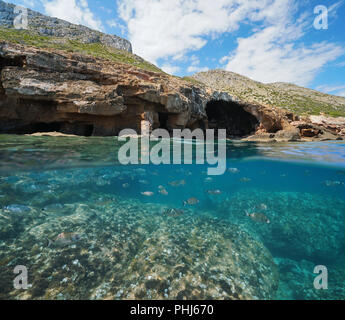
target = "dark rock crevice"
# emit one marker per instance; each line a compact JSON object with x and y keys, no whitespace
{"x":18,"y":127}
{"x":18,"y":61}
{"x":231,"y":116}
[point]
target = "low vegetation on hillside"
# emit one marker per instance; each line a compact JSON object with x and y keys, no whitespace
{"x":97,"y":50}
{"x":290,"y":97}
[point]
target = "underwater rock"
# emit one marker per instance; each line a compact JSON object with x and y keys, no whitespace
{"x":7,"y":229}
{"x":288,"y":135}
{"x":204,"y":259}
{"x":131,"y":250}
{"x":297,"y":281}
{"x":304,"y":226}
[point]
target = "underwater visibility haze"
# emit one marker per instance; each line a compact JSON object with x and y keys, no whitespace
{"x":87,"y":227}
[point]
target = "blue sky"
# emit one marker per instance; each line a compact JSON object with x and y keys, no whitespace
{"x":266,"y":40}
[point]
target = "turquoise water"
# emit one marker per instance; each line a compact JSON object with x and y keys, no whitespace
{"x":256,"y":232}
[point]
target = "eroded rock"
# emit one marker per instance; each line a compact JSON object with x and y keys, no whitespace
{"x":48,"y":90}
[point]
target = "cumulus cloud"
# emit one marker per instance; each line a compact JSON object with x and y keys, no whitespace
{"x":333,"y":9}
{"x":341,"y":93}
{"x":338,"y":90}
{"x":29,"y":3}
{"x":168,"y":68}
{"x":168,"y":28}
{"x":274,"y":51}
{"x":194,"y":69}
{"x":74,"y":11}
{"x":267,"y":57}
{"x":277,"y":52}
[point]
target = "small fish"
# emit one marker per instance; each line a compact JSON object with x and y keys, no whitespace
{"x":244,"y":180}
{"x":64,"y":239}
{"x":17,"y":208}
{"x":144,"y":182}
{"x":191,"y":202}
{"x":214,"y":192}
{"x":148,"y":193}
{"x":263,"y":206}
{"x":163,"y":191}
{"x":233,"y":170}
{"x":125,"y":186}
{"x":173,"y":212}
{"x":141,"y":171}
{"x":102,"y":182}
{"x":209,"y":179}
{"x":329,"y":183}
{"x":259,"y":217}
{"x":177,"y":183}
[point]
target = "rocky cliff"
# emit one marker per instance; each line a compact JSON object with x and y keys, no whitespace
{"x":299,"y":100}
{"x":43,"y":90}
{"x":48,"y":84}
{"x":47,"y":26}
{"x":48,"y":89}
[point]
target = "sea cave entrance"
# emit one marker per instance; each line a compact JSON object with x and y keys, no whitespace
{"x":163,"y":119}
{"x":80,"y":129}
{"x":232,"y":117}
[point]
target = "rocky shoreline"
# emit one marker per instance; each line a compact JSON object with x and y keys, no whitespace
{"x":48,"y":90}
{"x":53,"y":27}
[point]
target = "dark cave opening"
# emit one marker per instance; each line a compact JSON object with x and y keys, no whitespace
{"x":163,"y":120}
{"x":11,"y":62}
{"x":232,"y":117}
{"x":79,"y":129}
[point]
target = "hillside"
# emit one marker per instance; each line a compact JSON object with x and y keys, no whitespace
{"x":301,"y":101}
{"x":43,"y":25}
{"x":84,"y":84}
{"x":97,"y":49}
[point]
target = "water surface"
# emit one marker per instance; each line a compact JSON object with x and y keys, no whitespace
{"x":256,"y":232}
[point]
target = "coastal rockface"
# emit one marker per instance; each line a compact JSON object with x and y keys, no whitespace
{"x":53,"y":27}
{"x":45,"y":90}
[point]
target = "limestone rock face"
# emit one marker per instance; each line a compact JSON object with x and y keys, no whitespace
{"x":58,"y":88}
{"x":288,"y":135}
{"x":48,"y":90}
{"x":335,"y":125}
{"x":48,"y":26}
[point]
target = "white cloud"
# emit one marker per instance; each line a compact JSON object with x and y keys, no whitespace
{"x":74,"y":11}
{"x":170,"y":68}
{"x":112,"y":23}
{"x":341,"y":93}
{"x":193,"y":69}
{"x":276,"y":53}
{"x":333,"y":10}
{"x":328,"y":88}
{"x":194,"y":60}
{"x":264,"y":57}
{"x":224,"y":60}
{"x":29,"y":3}
{"x":338,"y":90}
{"x":168,"y":28}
